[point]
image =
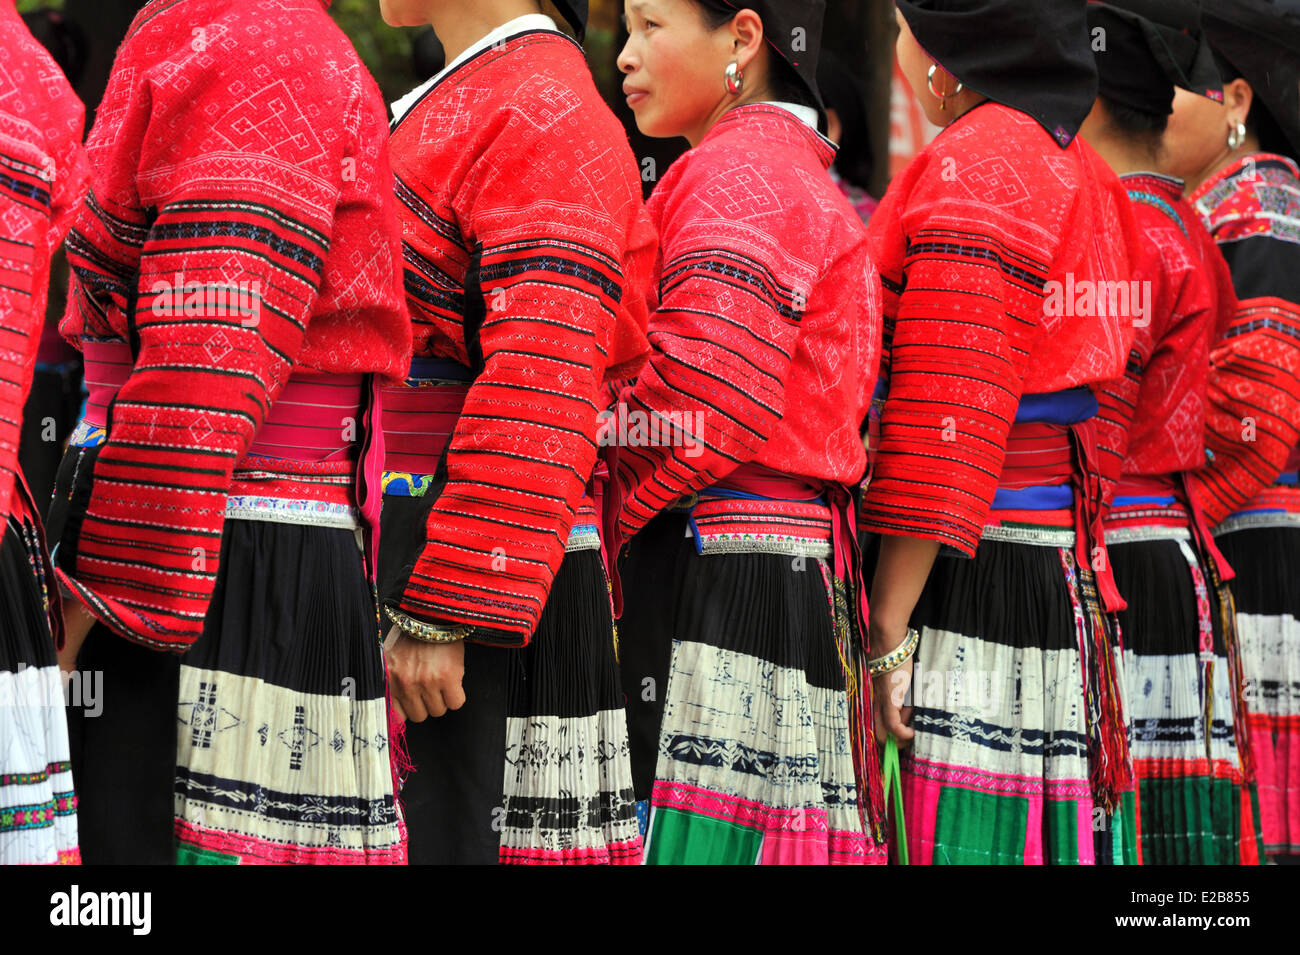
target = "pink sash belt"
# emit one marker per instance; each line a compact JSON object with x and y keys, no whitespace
{"x":418,"y":423}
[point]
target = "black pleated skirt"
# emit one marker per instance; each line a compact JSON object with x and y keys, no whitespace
{"x":267,"y":742}
{"x":38,"y":809}
{"x":534,"y":768}
{"x":1004,"y":681}
{"x":1267,"y":591}
{"x":737,"y":705}
{"x":1190,"y":782}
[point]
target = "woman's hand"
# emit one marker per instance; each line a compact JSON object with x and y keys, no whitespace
{"x":902,"y":568}
{"x":77,"y":621}
{"x":888,"y":690}
{"x":424,"y":678}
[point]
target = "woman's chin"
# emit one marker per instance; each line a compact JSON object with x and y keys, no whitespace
{"x":656,"y":128}
{"x":399,"y":15}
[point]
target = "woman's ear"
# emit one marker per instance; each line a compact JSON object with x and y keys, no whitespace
{"x":1238,"y":97}
{"x":834,"y":128}
{"x":746,"y":29}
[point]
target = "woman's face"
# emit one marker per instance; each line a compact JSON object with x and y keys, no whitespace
{"x":915,"y":64}
{"x":673,"y":67}
{"x":409,"y":13}
{"x":1196,"y":140}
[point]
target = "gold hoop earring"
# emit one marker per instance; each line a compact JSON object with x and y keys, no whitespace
{"x":941,"y":97}
{"x":1237,"y":135}
{"x":734,"y":79}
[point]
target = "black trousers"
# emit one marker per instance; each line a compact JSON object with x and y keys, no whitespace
{"x":125,"y":804}
{"x":453,"y":800}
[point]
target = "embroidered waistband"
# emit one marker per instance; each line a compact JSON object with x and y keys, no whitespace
{"x":758,"y":511}
{"x":1254,"y":520}
{"x":419,"y":418}
{"x":1276,"y":506}
{"x":1037,"y":535}
{"x":1139,"y":533}
{"x":300,"y":467}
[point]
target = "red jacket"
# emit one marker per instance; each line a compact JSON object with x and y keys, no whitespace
{"x":1157,"y":410}
{"x":767,"y":323}
{"x":968,"y":240}
{"x":237,"y":143}
{"x":1252,"y":209}
{"x":521,"y":213}
{"x":43,"y":176}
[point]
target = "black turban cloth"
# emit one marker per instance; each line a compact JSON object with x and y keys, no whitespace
{"x":1144,"y":48}
{"x":1261,"y":40}
{"x":1031,"y":55}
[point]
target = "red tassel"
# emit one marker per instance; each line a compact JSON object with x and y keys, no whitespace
{"x":399,"y":756}
{"x":1237,"y":684}
{"x":1110,"y":760}
{"x":862,"y":738}
{"x":866,"y":761}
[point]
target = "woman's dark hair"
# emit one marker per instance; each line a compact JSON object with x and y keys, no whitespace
{"x":1260,"y":121}
{"x":782,"y":79}
{"x":1145,"y":128}
{"x":427,"y":55}
{"x":839,"y":89}
{"x":65,"y":40}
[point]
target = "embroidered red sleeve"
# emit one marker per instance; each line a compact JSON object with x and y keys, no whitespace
{"x":722,"y":340}
{"x":544,"y":288}
{"x":42,"y":177}
{"x":1252,"y":405}
{"x":25,"y":211}
{"x":220,"y":282}
{"x":953,"y":385}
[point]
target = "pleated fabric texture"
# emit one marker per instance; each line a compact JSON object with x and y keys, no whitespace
{"x":568,"y":774}
{"x":1195,"y":806}
{"x":123,"y":747}
{"x":282,"y":737}
{"x":999,"y":770}
{"x":38,"y":808}
{"x":737,"y":706}
{"x":1267,"y":562}
{"x":535,"y":767}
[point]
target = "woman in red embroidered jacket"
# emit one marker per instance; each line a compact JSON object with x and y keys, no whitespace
{"x":1181,"y":654}
{"x":235,"y":289}
{"x":527,"y":250}
{"x":1239,"y":160}
{"x":43,"y":175}
{"x":740,"y":638}
{"x":1004,"y":250}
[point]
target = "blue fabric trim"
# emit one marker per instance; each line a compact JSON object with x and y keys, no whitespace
{"x":1057,"y":407}
{"x":1142,"y":501}
{"x":1044,"y":497}
{"x":439,"y":369}
{"x":1157,"y":202}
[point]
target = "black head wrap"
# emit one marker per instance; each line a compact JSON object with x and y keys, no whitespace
{"x":1144,"y":48}
{"x":66,"y":42}
{"x":793,"y":29}
{"x":575,"y":11}
{"x":1260,"y":39}
{"x":1031,"y":55}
